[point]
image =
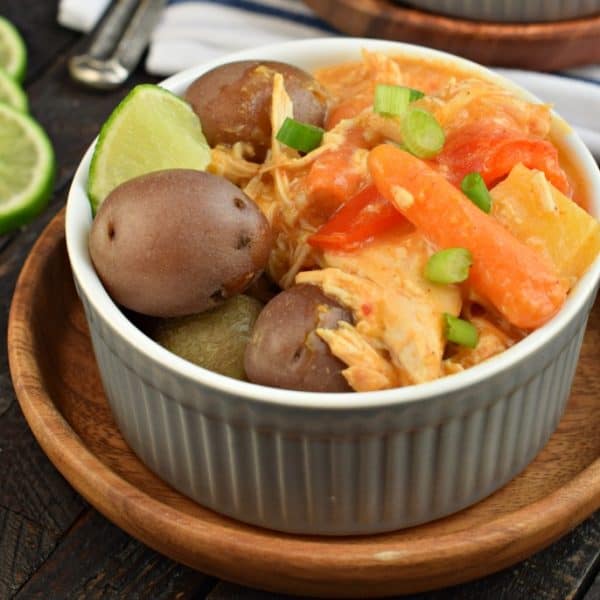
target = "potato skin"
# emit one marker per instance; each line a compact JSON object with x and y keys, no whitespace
{"x":233,"y":101}
{"x":286,"y":352}
{"x":178,"y":242}
{"x":215,"y":339}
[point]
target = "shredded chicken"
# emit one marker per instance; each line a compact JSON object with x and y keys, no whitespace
{"x":281,"y":108}
{"x":360,"y":80}
{"x":230,"y":163}
{"x":395,"y":309}
{"x":377,"y":128}
{"x":471,"y":100}
{"x":368,"y":370}
{"x":383,"y":67}
{"x":276,"y":191}
{"x":492,"y":341}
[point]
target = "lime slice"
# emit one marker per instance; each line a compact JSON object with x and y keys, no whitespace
{"x":26,"y":168}
{"x":150,"y":130}
{"x":11,"y":92}
{"x":13,"y":55}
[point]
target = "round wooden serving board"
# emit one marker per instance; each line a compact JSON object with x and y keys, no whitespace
{"x":540,"y":46}
{"x":58,"y":386}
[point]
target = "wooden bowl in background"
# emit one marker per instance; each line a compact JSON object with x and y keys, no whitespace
{"x":539,"y":46}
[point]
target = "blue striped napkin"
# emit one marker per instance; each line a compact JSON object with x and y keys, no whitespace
{"x":194,"y":31}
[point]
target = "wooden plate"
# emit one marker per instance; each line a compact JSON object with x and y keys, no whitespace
{"x":540,"y":46}
{"x":57,"y":384}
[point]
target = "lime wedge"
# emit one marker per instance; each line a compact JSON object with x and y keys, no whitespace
{"x":150,"y":130}
{"x":11,"y":92}
{"x":13,"y":55}
{"x":26,"y":168}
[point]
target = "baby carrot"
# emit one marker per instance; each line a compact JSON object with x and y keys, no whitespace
{"x":523,"y":285}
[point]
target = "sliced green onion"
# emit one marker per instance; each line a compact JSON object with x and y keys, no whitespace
{"x":415,"y":94}
{"x":460,"y":331}
{"x":421,"y":133}
{"x":300,"y":136}
{"x":449,"y":266}
{"x":394,"y":99}
{"x":475,"y":189}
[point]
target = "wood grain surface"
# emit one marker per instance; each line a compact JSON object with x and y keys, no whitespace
{"x":38,"y":508}
{"x":58,"y":386}
{"x":541,"y":46}
{"x":53,"y":544}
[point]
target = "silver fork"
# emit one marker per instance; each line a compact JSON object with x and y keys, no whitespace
{"x":118,"y":44}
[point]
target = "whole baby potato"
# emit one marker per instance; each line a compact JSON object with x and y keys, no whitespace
{"x":215,"y":339}
{"x":233,"y":101}
{"x":178,"y":242}
{"x":285,"y":350}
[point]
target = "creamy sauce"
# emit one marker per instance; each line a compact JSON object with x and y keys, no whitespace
{"x":351,"y":80}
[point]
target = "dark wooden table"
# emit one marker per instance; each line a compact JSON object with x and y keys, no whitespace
{"x":52,"y":543}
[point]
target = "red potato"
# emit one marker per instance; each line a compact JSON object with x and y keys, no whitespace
{"x":178,"y":242}
{"x":233,"y":101}
{"x":285,"y":351}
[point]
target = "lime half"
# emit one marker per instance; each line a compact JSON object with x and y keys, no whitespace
{"x":150,"y":130}
{"x":11,"y":92}
{"x":26,"y":168}
{"x":13,"y":55}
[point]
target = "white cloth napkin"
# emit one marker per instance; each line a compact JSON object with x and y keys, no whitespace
{"x":81,"y":15}
{"x":193,"y":31}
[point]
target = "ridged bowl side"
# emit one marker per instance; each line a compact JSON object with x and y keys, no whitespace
{"x":325,"y":472}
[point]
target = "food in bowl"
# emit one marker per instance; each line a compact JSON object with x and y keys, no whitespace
{"x":335,"y":463}
{"x":416,"y":219}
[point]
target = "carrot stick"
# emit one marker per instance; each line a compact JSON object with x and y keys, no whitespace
{"x":523,"y":285}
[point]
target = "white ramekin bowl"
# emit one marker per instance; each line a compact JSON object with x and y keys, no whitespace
{"x":332,"y":463}
{"x":513,"y":11}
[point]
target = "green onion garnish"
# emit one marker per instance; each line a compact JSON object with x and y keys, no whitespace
{"x":449,"y":266}
{"x":421,"y":133}
{"x":394,"y":99}
{"x":460,"y":331}
{"x":300,"y":136}
{"x":473,"y":186}
{"x":415,"y":94}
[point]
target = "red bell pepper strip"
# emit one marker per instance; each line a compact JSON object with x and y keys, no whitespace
{"x":359,"y":219}
{"x":492,"y":151}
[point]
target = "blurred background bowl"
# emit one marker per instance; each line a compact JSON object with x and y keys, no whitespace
{"x":546,"y":46}
{"x":511,"y":11}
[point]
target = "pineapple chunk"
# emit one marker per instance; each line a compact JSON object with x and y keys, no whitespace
{"x":545,"y":219}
